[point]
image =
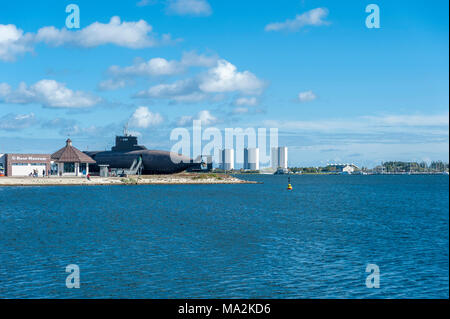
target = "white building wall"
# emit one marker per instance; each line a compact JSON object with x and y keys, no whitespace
{"x":283,"y":157}
{"x":253,"y":158}
{"x":279,"y":157}
{"x":348,"y":169}
{"x":246,"y":164}
{"x":274,"y":157}
{"x":26,"y":169}
{"x":227,"y":159}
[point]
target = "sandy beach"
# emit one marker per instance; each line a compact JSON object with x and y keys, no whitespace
{"x":182,"y":178}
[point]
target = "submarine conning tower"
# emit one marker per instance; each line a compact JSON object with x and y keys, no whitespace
{"x":127,"y":143}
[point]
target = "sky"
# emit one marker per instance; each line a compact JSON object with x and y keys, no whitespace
{"x":337,"y":91}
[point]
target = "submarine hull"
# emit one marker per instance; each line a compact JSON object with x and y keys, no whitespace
{"x":154,"y":162}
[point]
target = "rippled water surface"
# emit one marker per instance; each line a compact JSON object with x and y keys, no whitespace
{"x":236,"y":241}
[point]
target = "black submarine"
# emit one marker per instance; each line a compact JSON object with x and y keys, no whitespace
{"x":127,"y":155}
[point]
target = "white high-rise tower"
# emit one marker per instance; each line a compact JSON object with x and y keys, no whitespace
{"x":251,"y":159}
{"x":279,"y":157}
{"x":227,"y":159}
{"x":283,"y":157}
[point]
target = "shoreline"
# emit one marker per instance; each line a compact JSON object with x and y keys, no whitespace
{"x":175,"y":179}
{"x":297,"y":174}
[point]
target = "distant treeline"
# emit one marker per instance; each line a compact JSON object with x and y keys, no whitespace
{"x":386,"y":167}
{"x":393,"y":167}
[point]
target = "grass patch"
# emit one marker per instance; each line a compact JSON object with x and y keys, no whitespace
{"x":129,"y":180}
{"x":208,"y":176}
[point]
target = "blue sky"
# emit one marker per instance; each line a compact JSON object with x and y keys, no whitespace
{"x":336,"y":90}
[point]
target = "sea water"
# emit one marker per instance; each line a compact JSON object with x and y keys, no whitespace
{"x":229,"y":241}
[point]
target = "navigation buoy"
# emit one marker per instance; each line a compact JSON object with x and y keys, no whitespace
{"x":289,"y":187}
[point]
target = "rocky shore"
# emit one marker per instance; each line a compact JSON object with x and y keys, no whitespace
{"x":182,"y":178}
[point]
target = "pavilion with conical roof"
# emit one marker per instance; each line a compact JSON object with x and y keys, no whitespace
{"x":71,"y":161}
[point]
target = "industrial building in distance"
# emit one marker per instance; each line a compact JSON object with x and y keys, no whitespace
{"x":251,"y":159}
{"x":278,"y":159}
{"x":227,"y":159}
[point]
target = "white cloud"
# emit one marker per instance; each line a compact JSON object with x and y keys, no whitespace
{"x":153,"y":67}
{"x":13,"y":42}
{"x":72,"y":127}
{"x":179,"y":91}
{"x":410,"y":120}
{"x":48,"y":93}
{"x":250,"y":101}
{"x":191,"y":58}
{"x":58,"y":122}
{"x":111,"y":84}
{"x":178,"y":88}
{"x":157,"y":67}
{"x":224,"y":77}
{"x":16,"y":121}
{"x":144,"y":118}
{"x":143,"y":3}
{"x":204,"y":116}
{"x":88,"y":131}
{"x":181,"y":7}
{"x":240,"y":110}
{"x":185,"y":120}
{"x":5,"y":89}
{"x":189,"y":7}
{"x":191,"y":97}
{"x":378,"y":138}
{"x":306,"y":96}
{"x":370,"y":124}
{"x":314,"y":17}
{"x":162,"y":67}
{"x":132,"y":35}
